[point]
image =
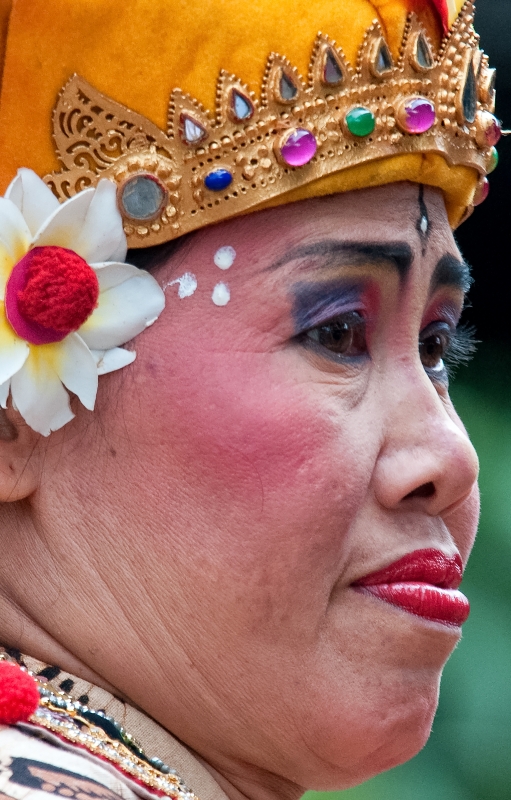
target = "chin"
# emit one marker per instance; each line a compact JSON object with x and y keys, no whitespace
{"x":354,"y":748}
{"x":395,"y":748}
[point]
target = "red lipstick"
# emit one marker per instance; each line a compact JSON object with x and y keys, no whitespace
{"x":424,"y":583}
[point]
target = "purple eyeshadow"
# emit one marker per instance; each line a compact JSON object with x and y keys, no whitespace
{"x":314,"y":303}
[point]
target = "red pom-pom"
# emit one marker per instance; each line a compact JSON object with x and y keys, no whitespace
{"x":19,"y":697}
{"x":61,"y":289}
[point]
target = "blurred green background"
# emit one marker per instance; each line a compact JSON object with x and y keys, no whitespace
{"x":468,"y":756}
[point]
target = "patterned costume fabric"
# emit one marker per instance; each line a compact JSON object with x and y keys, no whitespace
{"x":32,"y":769}
{"x":28,"y":754}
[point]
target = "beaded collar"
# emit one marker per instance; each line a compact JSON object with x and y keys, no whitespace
{"x":84,"y":722}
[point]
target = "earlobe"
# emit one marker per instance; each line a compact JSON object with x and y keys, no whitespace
{"x":18,"y":475}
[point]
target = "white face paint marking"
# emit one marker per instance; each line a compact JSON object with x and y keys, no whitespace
{"x":424,"y":224}
{"x":187,"y":285}
{"x":224,"y":257}
{"x":221,"y":294}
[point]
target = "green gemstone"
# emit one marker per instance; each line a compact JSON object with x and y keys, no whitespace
{"x":494,"y":160}
{"x":360,"y":121}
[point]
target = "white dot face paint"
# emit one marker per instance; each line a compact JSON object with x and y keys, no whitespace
{"x":221,"y":294}
{"x":424,"y":224}
{"x":224,"y":257}
{"x":187,"y":285}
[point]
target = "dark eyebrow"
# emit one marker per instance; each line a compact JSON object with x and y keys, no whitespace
{"x":398,"y":255}
{"x":450,"y":271}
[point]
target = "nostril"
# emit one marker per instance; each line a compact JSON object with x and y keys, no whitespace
{"x":426,"y":490}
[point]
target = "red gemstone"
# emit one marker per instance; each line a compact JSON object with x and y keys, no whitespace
{"x":482,"y":192}
{"x":50,"y":293}
{"x":493,"y":132}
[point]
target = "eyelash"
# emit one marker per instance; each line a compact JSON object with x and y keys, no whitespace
{"x":461,"y":349}
{"x":460,"y":343}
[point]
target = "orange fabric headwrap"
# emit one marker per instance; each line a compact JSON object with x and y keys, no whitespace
{"x":137,"y":52}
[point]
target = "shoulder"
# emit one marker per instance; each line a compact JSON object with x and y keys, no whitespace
{"x":34,"y":769}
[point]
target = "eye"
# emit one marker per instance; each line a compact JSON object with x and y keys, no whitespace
{"x":344,"y":335}
{"x":434,"y":344}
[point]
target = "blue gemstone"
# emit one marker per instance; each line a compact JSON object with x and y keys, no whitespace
{"x":218,"y":180}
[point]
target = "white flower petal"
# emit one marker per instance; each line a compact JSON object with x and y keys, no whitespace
{"x":111,"y":360}
{"x":13,"y":350}
{"x":63,"y":227}
{"x":14,"y":232}
{"x":121,"y":252}
{"x":6,"y":265}
{"x":38,"y":394}
{"x":124,"y":310}
{"x":88,"y":223}
{"x":76,"y":368}
{"x":102,"y":235}
{"x":111,"y":273}
{"x":34,"y":199}
{"x":4,"y":393}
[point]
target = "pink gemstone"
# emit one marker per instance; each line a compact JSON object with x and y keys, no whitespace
{"x":482,"y":193}
{"x":299,"y":148}
{"x":419,"y":115}
{"x":493,"y":132}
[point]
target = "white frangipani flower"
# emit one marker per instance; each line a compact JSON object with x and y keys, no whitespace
{"x":65,"y":261}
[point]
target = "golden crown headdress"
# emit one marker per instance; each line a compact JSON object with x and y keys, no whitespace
{"x":202,"y":170}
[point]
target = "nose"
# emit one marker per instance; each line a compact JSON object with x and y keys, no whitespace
{"x":426,"y":461}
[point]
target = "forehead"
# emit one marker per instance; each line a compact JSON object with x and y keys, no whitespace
{"x":399,"y":233}
{"x":399,"y":212}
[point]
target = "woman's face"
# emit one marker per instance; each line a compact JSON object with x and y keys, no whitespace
{"x":257,"y":460}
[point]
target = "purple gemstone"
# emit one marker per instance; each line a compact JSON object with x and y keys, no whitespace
{"x":419,"y":115}
{"x":299,"y":148}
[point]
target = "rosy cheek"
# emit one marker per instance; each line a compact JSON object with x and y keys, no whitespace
{"x":247,"y":438}
{"x":272,"y":464}
{"x":239,"y":416}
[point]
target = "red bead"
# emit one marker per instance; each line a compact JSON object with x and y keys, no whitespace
{"x":19,"y":697}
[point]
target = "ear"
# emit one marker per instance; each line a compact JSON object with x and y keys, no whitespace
{"x":18,"y":472}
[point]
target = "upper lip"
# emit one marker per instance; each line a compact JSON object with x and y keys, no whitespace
{"x":422,"y":566}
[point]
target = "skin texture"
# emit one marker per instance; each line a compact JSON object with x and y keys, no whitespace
{"x":206,"y":523}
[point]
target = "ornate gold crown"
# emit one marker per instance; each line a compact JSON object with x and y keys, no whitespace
{"x":203,"y":170}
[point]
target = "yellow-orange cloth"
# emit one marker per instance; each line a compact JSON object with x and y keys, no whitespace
{"x":136,"y":52}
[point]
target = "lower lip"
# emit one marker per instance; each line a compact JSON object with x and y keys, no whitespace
{"x":448,"y":606}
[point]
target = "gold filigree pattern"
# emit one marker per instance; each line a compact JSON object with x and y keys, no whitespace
{"x":97,"y":137}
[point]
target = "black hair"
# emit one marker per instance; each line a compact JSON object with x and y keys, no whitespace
{"x":150,"y":258}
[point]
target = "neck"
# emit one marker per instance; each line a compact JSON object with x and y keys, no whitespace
{"x":39,"y":618}
{"x":20,"y":635}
